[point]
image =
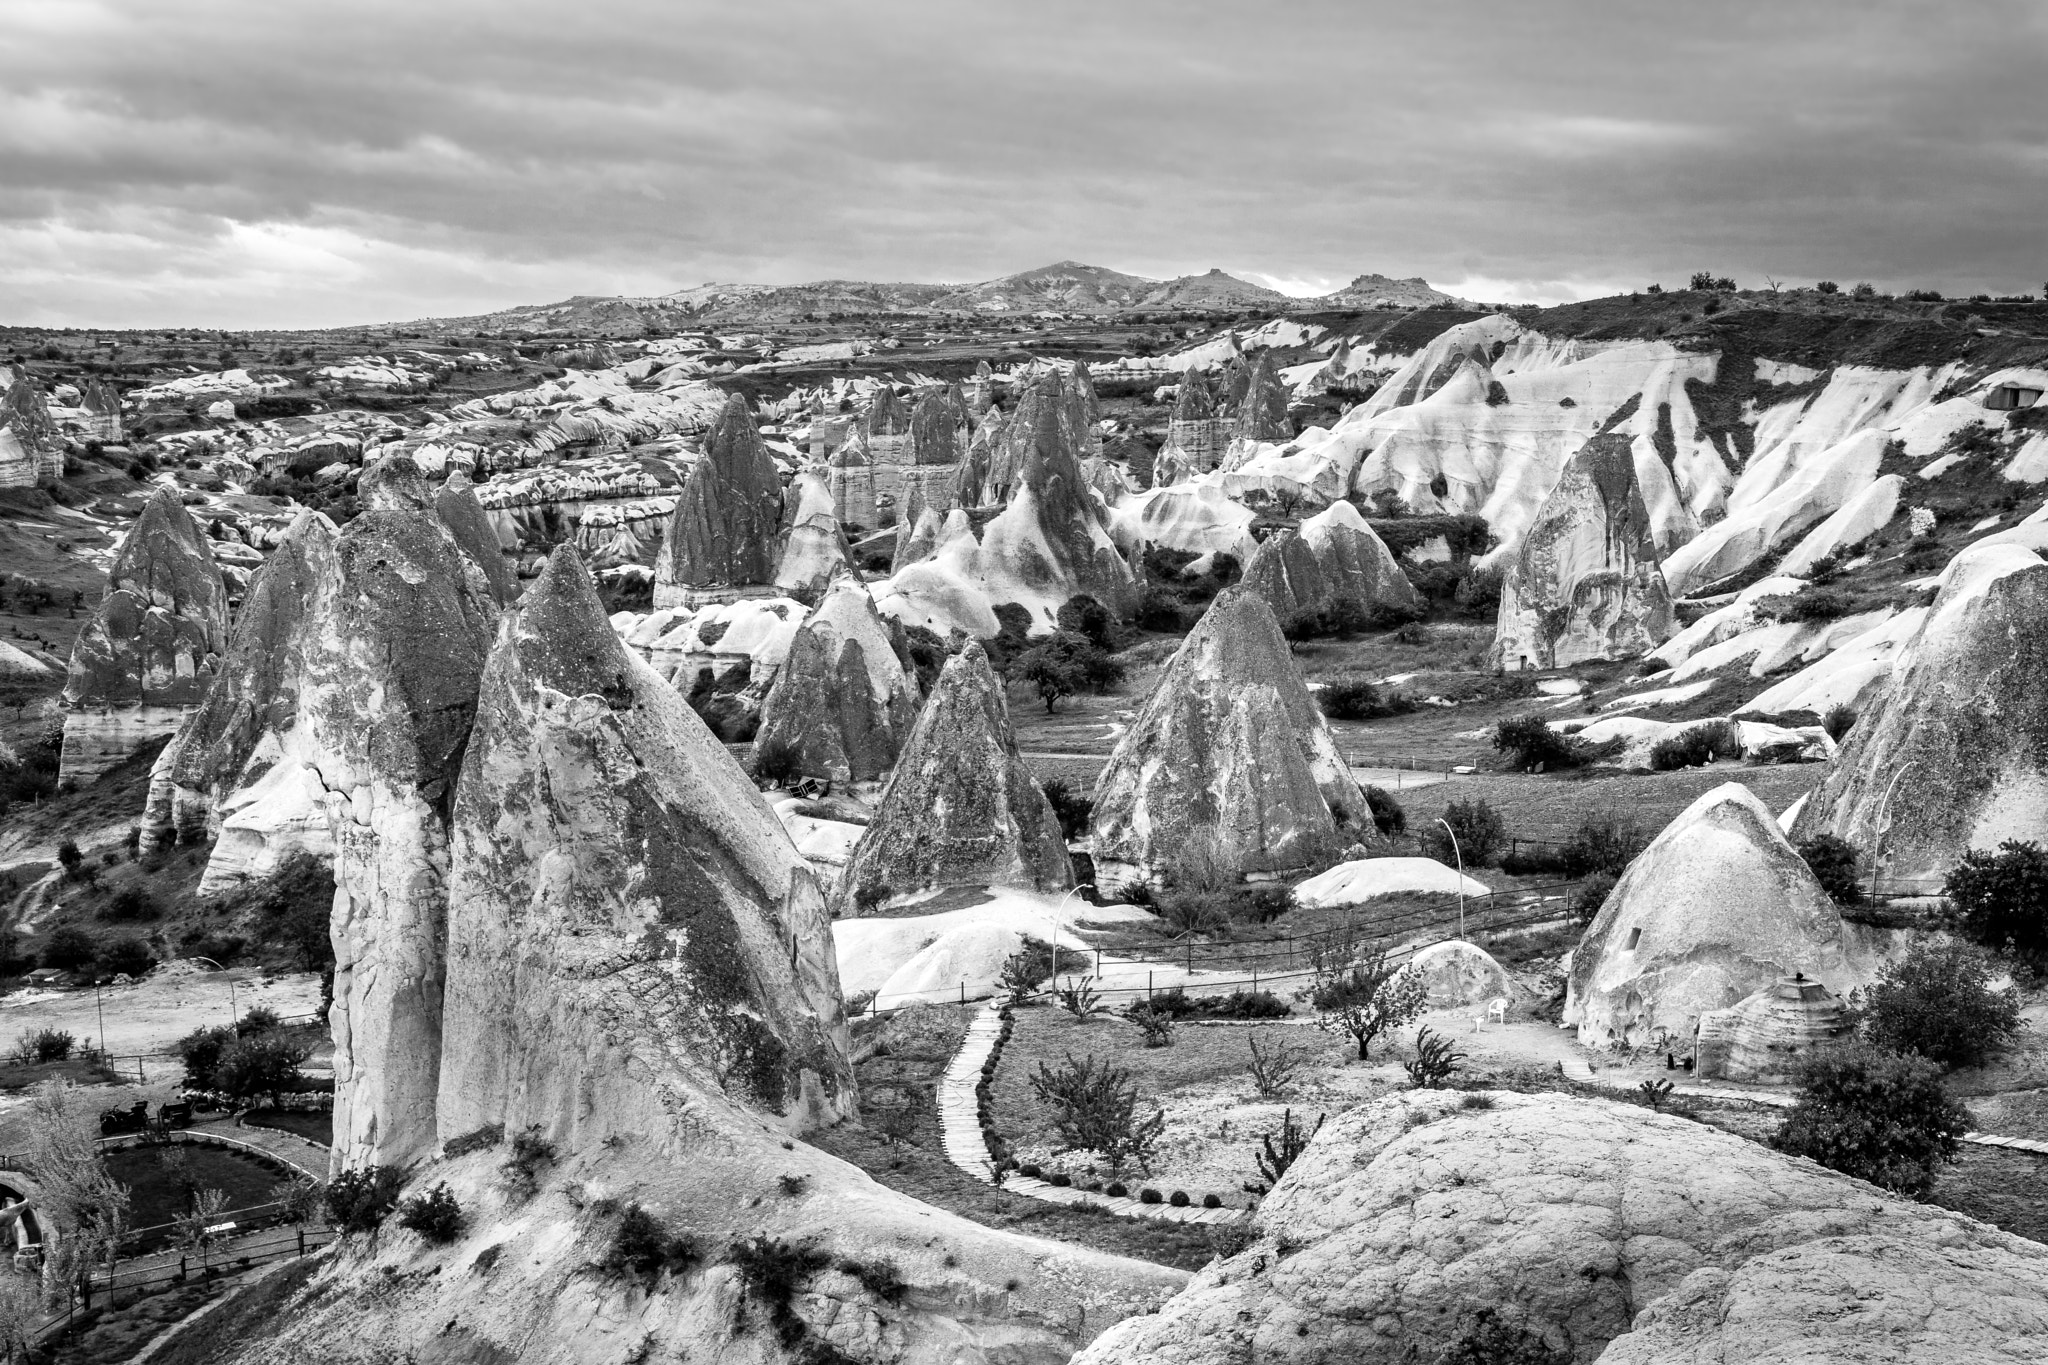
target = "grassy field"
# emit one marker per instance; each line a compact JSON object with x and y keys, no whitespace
{"x":158,"y":1193}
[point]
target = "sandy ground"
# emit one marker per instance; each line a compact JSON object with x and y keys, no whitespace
{"x":152,"y":1014}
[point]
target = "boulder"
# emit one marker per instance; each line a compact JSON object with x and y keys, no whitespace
{"x":1949,"y":756}
{"x":587,"y":774}
{"x":1719,"y":906}
{"x":723,"y":536}
{"x":252,"y":706}
{"x":843,"y":700}
{"x":149,"y":652}
{"x":1585,"y":582}
{"x":1334,"y":557}
{"x":395,"y":644}
{"x":1601,"y":1229}
{"x":961,"y":807}
{"x":1228,"y":770}
{"x":813,"y":546}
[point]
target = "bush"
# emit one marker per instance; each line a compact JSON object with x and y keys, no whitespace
{"x":69,"y":949}
{"x":201,"y":1050}
{"x":358,"y":1200}
{"x":1274,"y":1159}
{"x":1937,"y":1002}
{"x":1356,"y":699}
{"x":1436,"y":1060}
{"x":642,"y":1248}
{"x":1210,"y":1201}
{"x":1084,"y":616}
{"x":1479,"y":830}
{"x":531,"y":1154}
{"x":71,"y":859}
{"x":1832,"y":860}
{"x":1179,"y":1199}
{"x":1074,"y":810}
{"x":1492,"y":1341}
{"x":434,"y":1215}
{"x":1838,"y":721}
{"x":1590,"y":894}
{"x":1156,"y":1024}
{"x":265,"y":1065}
{"x":130,"y":903}
{"x":776,"y":762}
{"x":260,"y":1019}
{"x":1387,"y":816}
{"x":1148,"y":1195}
{"x":1602,"y":844}
{"x":1160,"y":610}
{"x":1881,"y":1117}
{"x":1532,"y":746}
{"x":1696,"y":746}
{"x":1095,"y":1108}
{"x":126,"y":957}
{"x":43,"y":1045}
{"x":2000,"y":899}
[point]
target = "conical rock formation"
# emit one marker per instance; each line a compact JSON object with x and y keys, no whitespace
{"x":724,"y":533}
{"x":1334,"y":557}
{"x":1585,"y":583}
{"x":457,"y":506}
{"x":1228,"y":770}
{"x":961,"y":807}
{"x":623,"y":906}
{"x":1719,"y":906}
{"x":1953,"y":755}
{"x":814,"y":547}
{"x":395,"y":646}
{"x":916,"y":540}
{"x":842,"y":699}
{"x":249,"y":715}
{"x":149,"y":652}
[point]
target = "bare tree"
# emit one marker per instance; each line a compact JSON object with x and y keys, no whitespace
{"x":1372,"y":998}
{"x":80,"y":1199}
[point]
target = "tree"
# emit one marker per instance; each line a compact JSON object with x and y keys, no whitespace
{"x":1881,"y":1117}
{"x":1052,"y":673}
{"x":1828,"y":287}
{"x":71,"y":858}
{"x":1532,"y":745}
{"x":126,"y":957}
{"x":201,"y":1050}
{"x":2001,"y":899}
{"x":1479,"y":830}
{"x":264,"y":1065}
{"x":1369,"y":1000}
{"x":195,"y":1224}
{"x":88,"y":1207}
{"x":1937,"y":1002}
{"x":69,"y":948}
{"x":1095,"y":1108}
{"x":1832,"y":860}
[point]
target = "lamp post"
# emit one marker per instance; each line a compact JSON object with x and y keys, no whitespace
{"x":1459,"y":854}
{"x":1880,"y":825}
{"x":1052,"y":918}
{"x":100,"y":1010}
{"x":234,"y":1015}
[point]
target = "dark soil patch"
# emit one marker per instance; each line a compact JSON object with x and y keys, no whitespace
{"x":314,"y":1127}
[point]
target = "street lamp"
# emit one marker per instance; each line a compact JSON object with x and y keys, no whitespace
{"x":1880,"y":825}
{"x":1457,"y":853}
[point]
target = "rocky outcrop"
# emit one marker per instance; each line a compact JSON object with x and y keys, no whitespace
{"x":1228,"y":771}
{"x":1950,"y":756}
{"x":1585,"y":583}
{"x":1335,"y":557}
{"x":102,"y":409}
{"x":1602,"y":1230}
{"x":1259,"y":417}
{"x":961,"y":807}
{"x":395,"y":647}
{"x":722,"y":539}
{"x":916,"y":540}
{"x":1719,"y":906}
{"x":248,"y":719}
{"x":813,"y":546}
{"x":457,"y":506}
{"x":843,"y":700}
{"x":1196,"y":434}
{"x":148,"y":654}
{"x":854,"y":483}
{"x":930,"y":479}
{"x":623,"y":906}
{"x":31,"y":451}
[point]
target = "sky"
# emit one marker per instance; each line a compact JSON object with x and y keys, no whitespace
{"x":215,"y":163}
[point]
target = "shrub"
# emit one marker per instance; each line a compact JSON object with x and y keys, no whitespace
{"x":129,"y":904}
{"x":1492,"y":1341}
{"x":1148,"y":1195}
{"x":1079,"y":998}
{"x":1275,"y":1158}
{"x":1179,"y":1199}
{"x":1832,"y":860}
{"x":1479,"y":830}
{"x":201,"y":1050}
{"x":1156,"y":1024}
{"x":42,"y":1045}
{"x":1838,"y":721}
{"x":2000,"y":899}
{"x":265,"y":1065}
{"x":1590,"y":894}
{"x":772,"y":1271}
{"x":1369,"y":999}
{"x":1084,"y":616}
{"x":1436,"y":1060}
{"x":1387,"y":816}
{"x":1356,"y":699}
{"x":358,"y":1200}
{"x":126,"y":957}
{"x":1882,"y":1117}
{"x":258,"y":1019}
{"x":1937,"y":1002}
{"x":642,"y":1248}
{"x":776,"y":762}
{"x":1600,"y":844}
{"x":1060,"y":1178}
{"x":1210,"y":1201}
{"x":1827,"y":287}
{"x":1696,"y":746}
{"x":1095,"y":1108}
{"x":1073,"y":809}
{"x":531,"y":1154}
{"x":434,"y":1215}
{"x":71,"y":859}
{"x":1533,"y":746}
{"x":1160,"y":610}
{"x":69,"y":949}
{"x":1274,"y":1064}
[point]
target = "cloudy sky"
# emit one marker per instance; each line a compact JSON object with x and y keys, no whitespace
{"x":219,"y":163}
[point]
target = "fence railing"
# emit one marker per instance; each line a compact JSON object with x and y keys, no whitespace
{"x":158,"y":1272}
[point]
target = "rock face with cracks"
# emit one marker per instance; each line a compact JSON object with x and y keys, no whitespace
{"x":243,"y":725}
{"x":1229,"y":770}
{"x":813,"y":545}
{"x":149,"y":652}
{"x":1609,"y":1232}
{"x":1715,"y":909}
{"x":1334,"y":557}
{"x":1585,"y":583}
{"x":961,"y":807}
{"x":619,"y":891}
{"x":842,"y":698}
{"x":725,"y":531}
{"x":395,"y":646}
{"x":466,"y":520}
{"x":1953,"y":754}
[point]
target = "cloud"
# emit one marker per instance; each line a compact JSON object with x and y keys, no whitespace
{"x":241,"y":163}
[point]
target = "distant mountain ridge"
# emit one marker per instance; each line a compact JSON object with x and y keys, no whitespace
{"x":1067,"y":287}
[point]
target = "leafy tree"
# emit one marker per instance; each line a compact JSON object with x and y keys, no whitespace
{"x":1387,"y":816}
{"x":126,"y":957}
{"x":1066,"y":663}
{"x":1532,"y":746}
{"x":1084,"y":616}
{"x":1368,"y":1000}
{"x":1937,"y":1002}
{"x":1053,"y":674}
{"x":2001,"y":899}
{"x":1603,"y":844}
{"x":70,"y":857}
{"x":267,"y":1064}
{"x":1479,"y":830}
{"x":1832,"y":860}
{"x":201,"y":1050}
{"x":1882,"y":1117}
{"x":1073,"y":809}
{"x":1095,"y":1108}
{"x":69,"y":948}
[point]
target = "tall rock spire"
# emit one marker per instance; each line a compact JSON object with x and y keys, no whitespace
{"x":841,"y":699}
{"x":723,"y":537}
